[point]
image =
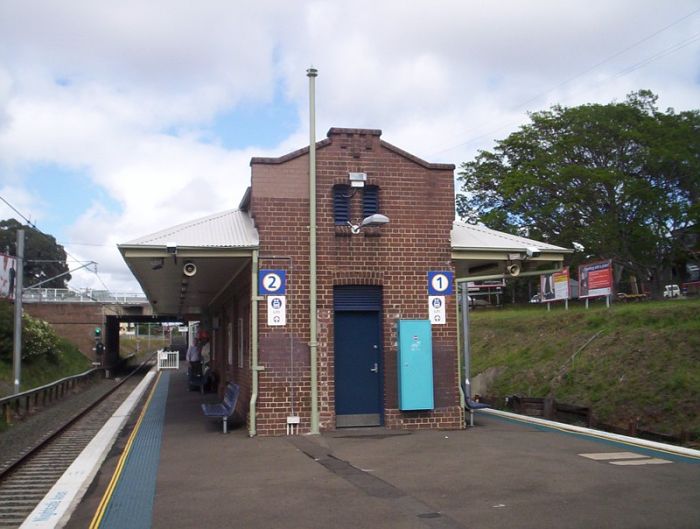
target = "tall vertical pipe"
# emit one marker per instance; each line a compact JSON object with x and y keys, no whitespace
{"x":17,"y":338}
{"x":313,"y":331}
{"x":465,"y":338}
{"x":253,"y":344}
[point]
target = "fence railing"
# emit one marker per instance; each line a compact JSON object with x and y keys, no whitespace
{"x":21,"y":404}
{"x":549,"y":408}
{"x":168,"y":359}
{"x":66,"y":295}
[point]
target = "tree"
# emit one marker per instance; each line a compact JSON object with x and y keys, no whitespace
{"x":619,"y":178}
{"x":44,"y":257}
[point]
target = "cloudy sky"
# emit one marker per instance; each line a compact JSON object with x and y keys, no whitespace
{"x":118,"y":119}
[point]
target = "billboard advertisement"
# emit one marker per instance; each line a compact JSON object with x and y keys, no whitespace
{"x":595,"y":279}
{"x":555,"y":287}
{"x":7,"y":276}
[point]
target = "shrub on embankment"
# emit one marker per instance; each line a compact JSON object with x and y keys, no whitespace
{"x":635,"y":362}
{"x":45,"y":355}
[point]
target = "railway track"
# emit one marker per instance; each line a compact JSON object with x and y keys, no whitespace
{"x":26,"y":481}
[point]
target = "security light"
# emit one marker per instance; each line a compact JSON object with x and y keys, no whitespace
{"x":533,"y":251}
{"x":372,"y":221}
{"x":357,"y":179}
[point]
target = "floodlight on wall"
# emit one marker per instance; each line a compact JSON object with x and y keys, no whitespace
{"x":357,"y":179}
{"x":373,"y":221}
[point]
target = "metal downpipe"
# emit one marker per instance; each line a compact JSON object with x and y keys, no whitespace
{"x":463,"y":285}
{"x":253,"y":343}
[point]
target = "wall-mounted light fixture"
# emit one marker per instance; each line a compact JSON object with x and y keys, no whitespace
{"x":171,"y":249}
{"x":372,"y":221}
{"x":357,"y":179}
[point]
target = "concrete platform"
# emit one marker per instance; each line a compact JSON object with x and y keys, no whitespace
{"x":499,"y":474}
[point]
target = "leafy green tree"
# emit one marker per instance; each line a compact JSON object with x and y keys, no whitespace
{"x":620,"y":179}
{"x":44,"y":257}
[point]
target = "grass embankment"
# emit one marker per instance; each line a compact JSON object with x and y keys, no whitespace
{"x":141,"y":346}
{"x":43,"y":370}
{"x":641,"y":361}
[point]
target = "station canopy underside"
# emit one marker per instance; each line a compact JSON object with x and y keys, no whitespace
{"x":184,"y":269}
{"x":480,"y":253}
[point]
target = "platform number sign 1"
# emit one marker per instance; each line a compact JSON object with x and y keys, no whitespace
{"x":272,"y":282}
{"x":439,"y":286}
{"x":440,"y":283}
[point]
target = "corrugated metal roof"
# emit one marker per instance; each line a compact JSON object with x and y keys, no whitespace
{"x":475,"y":237}
{"x":228,"y":229}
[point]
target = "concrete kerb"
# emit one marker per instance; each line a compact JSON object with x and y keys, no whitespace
{"x":653,"y":445}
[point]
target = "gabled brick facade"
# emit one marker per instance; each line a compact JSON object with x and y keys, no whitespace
{"x":418,"y":198}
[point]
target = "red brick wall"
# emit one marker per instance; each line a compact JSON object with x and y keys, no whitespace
{"x":75,"y":322}
{"x":418,"y":198}
{"x":234,"y":304}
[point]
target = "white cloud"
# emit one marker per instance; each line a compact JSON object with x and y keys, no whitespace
{"x":123,"y":92}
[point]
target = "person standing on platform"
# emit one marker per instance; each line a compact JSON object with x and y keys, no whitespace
{"x":194,"y":357}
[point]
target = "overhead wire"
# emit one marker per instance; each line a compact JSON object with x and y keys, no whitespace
{"x":667,"y":51}
{"x":35,"y":228}
{"x":29,"y":222}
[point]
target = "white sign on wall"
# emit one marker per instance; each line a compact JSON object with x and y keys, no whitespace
{"x":276,"y":311}
{"x":436,"y":310}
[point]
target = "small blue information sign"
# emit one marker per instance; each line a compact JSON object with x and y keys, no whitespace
{"x":440,"y":283}
{"x":272,"y":282}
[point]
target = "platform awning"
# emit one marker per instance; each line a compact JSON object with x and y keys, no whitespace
{"x":480,"y":253}
{"x":184,"y":268}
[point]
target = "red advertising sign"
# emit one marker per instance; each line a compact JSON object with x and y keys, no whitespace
{"x":595,"y":279}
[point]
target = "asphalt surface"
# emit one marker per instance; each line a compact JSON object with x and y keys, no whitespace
{"x":499,"y":474}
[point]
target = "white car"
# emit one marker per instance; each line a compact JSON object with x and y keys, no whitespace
{"x":672,"y":291}
{"x":475,"y":302}
{"x":535,"y":299}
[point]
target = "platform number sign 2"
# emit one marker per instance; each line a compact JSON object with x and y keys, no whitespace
{"x":440,"y":283}
{"x":272,"y":282}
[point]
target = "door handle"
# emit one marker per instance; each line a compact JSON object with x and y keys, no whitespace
{"x":375,"y":369}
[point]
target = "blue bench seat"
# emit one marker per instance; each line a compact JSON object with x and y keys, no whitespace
{"x":223,"y":410}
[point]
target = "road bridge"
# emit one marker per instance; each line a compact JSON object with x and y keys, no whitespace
{"x":76,"y":314}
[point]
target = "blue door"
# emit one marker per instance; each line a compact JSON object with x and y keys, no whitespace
{"x":358,"y":373}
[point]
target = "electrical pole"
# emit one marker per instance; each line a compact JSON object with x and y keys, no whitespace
{"x":17,"y":342}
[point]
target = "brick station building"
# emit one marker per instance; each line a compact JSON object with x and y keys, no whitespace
{"x":368,"y":279}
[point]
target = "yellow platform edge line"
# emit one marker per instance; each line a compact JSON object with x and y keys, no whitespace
{"x":107,"y":496}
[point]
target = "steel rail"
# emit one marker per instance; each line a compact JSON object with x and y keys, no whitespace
{"x":13,"y":465}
